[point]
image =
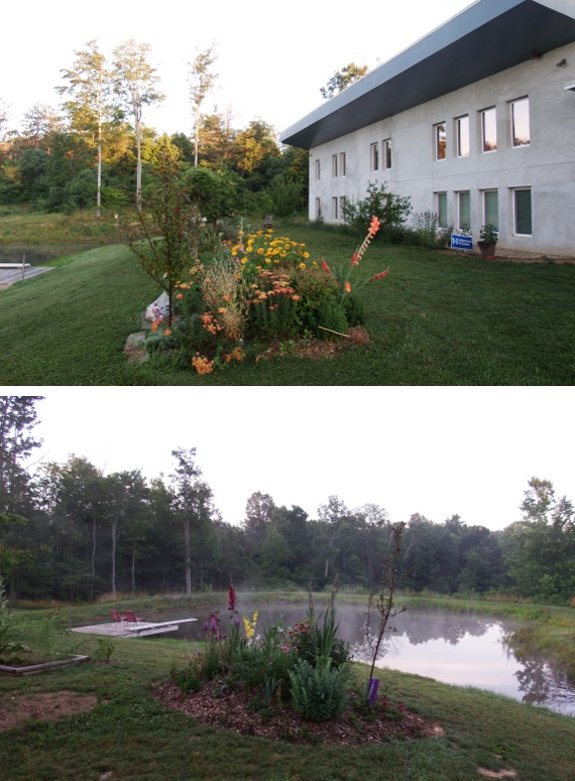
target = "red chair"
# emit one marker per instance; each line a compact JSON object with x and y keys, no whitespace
{"x":131,"y":617}
{"x":116,"y":617}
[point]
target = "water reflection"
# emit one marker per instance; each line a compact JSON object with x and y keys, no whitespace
{"x":459,"y":648}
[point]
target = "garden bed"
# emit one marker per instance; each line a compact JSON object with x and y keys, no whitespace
{"x":230,"y":710}
{"x":33,"y":669}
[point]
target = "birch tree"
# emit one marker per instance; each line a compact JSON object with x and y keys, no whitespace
{"x":90,"y":105}
{"x":135,"y":86}
{"x":201,"y":81}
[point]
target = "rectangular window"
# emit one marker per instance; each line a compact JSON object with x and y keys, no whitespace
{"x":489,"y":130}
{"x":442,"y":209}
{"x":440,"y":133}
{"x":387,"y":153}
{"x":342,"y":163}
{"x":491,"y":208}
{"x":334,"y":208}
{"x":521,"y":132}
{"x":317,"y":209}
{"x":318,"y":170}
{"x":522,"y":217}
{"x":462,"y":129}
{"x":342,"y":207}
{"x":374,"y":153}
{"x":464,"y":210}
{"x":334,"y":165}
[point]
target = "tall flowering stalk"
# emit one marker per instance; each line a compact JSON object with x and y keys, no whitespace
{"x":343,"y":274}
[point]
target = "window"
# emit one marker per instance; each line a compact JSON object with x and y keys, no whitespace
{"x":342,"y":207}
{"x":374,"y":153}
{"x":464,"y":210}
{"x":520,"y":130}
{"x":442,"y":209}
{"x":334,"y":208}
{"x":342,"y":163}
{"x":491,"y":208}
{"x":462,"y":131}
{"x":522,"y":218}
{"x":318,"y":209}
{"x":334,"y":165}
{"x":440,"y":141}
{"x":489,"y":130}
{"x":387,"y":153}
{"x":318,"y":170}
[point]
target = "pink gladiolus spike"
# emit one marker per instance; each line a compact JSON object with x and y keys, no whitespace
{"x":325,"y":267}
{"x":381,"y":275}
{"x":355,"y":259}
{"x":374,"y":225}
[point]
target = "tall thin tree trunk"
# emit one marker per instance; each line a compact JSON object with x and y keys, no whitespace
{"x":99,"y":177}
{"x":114,"y":545}
{"x":188,"y":557}
{"x":93,"y":560}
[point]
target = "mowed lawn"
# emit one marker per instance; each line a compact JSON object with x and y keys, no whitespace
{"x":438,"y":319}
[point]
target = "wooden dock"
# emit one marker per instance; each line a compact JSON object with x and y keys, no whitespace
{"x":10,"y":273}
{"x":133,"y":629}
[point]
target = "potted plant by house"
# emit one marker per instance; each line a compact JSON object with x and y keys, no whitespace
{"x":488,"y":237}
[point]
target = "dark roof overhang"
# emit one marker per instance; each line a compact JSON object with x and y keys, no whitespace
{"x":484,"y":39}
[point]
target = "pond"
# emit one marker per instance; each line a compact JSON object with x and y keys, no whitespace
{"x":464,"y":649}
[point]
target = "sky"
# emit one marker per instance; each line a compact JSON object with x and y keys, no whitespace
{"x":272,"y":58}
{"x":436,"y":451}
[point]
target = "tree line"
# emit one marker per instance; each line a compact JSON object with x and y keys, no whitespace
{"x":70,"y":532}
{"x":95,"y":149}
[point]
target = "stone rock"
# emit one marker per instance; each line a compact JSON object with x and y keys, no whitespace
{"x":135,"y":349}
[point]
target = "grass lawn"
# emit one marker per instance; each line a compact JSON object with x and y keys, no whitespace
{"x":128,"y":735}
{"x":438,"y":319}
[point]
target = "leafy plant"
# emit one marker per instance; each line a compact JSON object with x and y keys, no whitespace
{"x":318,"y":693}
{"x":105,"y":648}
{"x":488,"y":234}
{"x":392,"y":210}
{"x":8,"y":646}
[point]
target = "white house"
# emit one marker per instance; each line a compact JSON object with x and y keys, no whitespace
{"x":475,"y":122}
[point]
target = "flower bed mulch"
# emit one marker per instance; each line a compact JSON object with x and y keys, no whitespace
{"x":230,"y":710}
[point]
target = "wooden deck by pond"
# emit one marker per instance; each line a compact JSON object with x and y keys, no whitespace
{"x":15,"y":272}
{"x":135,"y":629}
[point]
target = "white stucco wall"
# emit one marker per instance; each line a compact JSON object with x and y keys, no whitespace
{"x":546,"y":165}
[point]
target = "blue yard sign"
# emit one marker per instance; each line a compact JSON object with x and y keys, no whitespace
{"x":459,"y":241}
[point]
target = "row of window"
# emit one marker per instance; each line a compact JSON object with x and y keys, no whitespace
{"x":518,"y":123}
{"x":381,"y":153}
{"x":522,"y":223}
{"x":521,"y":209}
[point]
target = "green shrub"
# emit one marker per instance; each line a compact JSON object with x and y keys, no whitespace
{"x":393,"y":210}
{"x":318,"y":693}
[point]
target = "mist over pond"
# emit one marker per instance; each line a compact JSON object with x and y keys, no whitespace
{"x":463,"y":649}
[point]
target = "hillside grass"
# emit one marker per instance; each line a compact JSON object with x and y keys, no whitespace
{"x":438,"y":319}
{"x":129,"y":735}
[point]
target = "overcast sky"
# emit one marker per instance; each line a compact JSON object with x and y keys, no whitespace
{"x":272,"y":58}
{"x":436,"y":451}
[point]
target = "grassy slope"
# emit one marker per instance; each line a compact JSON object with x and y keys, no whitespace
{"x":437,"y":320}
{"x":129,"y":736}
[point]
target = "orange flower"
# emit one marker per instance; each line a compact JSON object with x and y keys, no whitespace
{"x":374,"y":225}
{"x":355,"y":259}
{"x":347,"y":287}
{"x":179,"y":296}
{"x":381,"y":275}
{"x":167,"y":332}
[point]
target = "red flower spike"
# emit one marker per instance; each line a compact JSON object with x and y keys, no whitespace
{"x":232,"y":599}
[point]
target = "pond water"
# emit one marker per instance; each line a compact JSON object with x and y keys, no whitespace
{"x":462,"y":649}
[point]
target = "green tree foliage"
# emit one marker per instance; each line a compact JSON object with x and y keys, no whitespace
{"x":393,"y":211}
{"x":17,"y":419}
{"x":342,"y":79}
{"x":89,"y":87}
{"x":135,"y":87}
{"x":201,"y":80}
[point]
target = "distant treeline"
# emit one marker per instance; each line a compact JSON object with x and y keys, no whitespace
{"x":69,"y":532}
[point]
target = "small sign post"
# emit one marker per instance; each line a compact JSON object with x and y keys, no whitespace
{"x":461,"y":241}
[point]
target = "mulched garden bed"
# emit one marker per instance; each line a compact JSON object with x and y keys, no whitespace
{"x":230,"y":710}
